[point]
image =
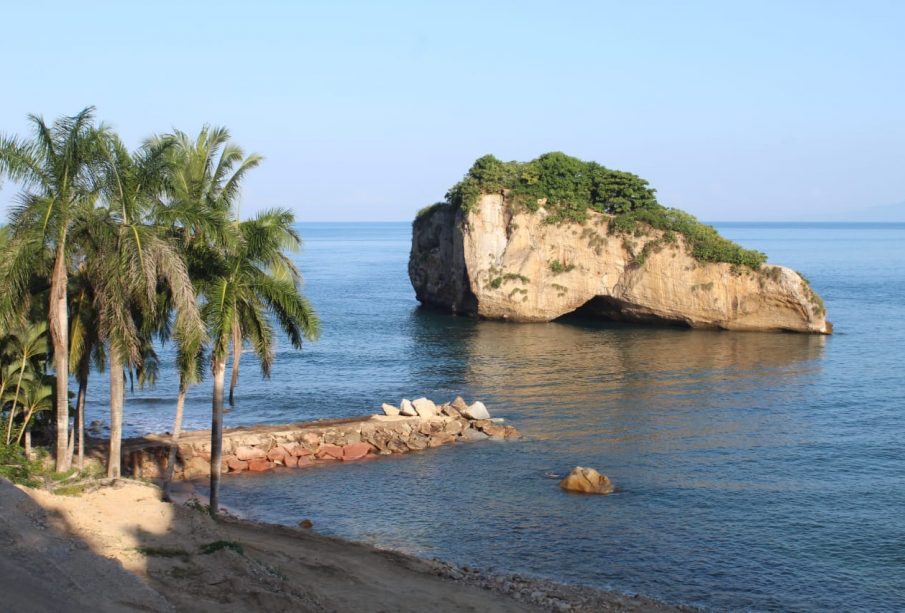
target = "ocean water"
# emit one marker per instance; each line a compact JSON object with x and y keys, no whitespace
{"x":754,"y":471}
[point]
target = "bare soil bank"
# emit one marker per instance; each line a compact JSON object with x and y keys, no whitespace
{"x":121,"y":548}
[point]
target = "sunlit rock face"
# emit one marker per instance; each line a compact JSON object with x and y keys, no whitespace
{"x":497,"y":263}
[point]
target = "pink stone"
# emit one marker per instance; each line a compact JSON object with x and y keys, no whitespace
{"x":236,"y":465}
{"x":355,"y":451}
{"x":250,"y":453}
{"x":259,"y":465}
{"x":330,"y":452}
{"x":290,"y":461}
{"x":301,"y":450}
{"x":304,"y":461}
{"x":276,"y":454}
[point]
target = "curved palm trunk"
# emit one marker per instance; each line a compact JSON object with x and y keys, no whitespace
{"x":80,"y":417}
{"x":12,"y":409}
{"x":2,"y":388}
{"x":237,"y":356}
{"x":59,"y":335}
{"x":219,"y":368}
{"x":117,"y":383}
{"x":26,"y":429}
{"x":174,"y":441}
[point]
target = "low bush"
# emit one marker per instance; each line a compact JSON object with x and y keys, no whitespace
{"x":16,"y":467}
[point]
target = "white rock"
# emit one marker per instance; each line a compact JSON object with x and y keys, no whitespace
{"x":406,"y":408}
{"x":425,"y":408}
{"x":477,"y":411}
{"x":497,"y":420}
{"x":389,"y":409}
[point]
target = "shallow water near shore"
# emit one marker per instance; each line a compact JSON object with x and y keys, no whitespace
{"x":755,"y":471}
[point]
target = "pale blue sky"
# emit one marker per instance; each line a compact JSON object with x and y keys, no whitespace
{"x":370,"y":110}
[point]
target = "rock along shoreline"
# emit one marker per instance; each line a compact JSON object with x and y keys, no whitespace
{"x":414,"y":426}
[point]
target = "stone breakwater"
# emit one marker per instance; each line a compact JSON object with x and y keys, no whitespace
{"x":413,"y":426}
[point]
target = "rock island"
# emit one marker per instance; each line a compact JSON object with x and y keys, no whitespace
{"x":535,"y":241}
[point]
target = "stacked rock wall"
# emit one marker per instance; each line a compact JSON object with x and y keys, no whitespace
{"x":302,"y":445}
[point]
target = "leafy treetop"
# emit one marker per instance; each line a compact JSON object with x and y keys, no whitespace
{"x":568,"y":188}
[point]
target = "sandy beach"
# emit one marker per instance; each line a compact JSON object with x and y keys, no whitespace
{"x":120,"y":548}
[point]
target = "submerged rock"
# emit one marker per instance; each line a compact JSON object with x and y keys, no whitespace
{"x":470,"y":434}
{"x":586,"y":481}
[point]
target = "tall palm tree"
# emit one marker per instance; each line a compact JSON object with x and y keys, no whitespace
{"x":253,"y":285}
{"x":85,"y":349}
{"x":203,"y":189}
{"x":129,"y":261}
{"x":56,"y":170}
{"x":202,"y":186}
{"x":189,"y":363}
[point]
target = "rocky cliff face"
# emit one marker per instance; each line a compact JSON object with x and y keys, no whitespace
{"x":497,"y":263}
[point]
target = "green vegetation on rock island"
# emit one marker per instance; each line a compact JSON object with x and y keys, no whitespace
{"x":568,"y":188}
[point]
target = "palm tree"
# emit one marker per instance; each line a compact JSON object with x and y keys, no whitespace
{"x":202,"y":186}
{"x":56,"y":170}
{"x":29,"y":348}
{"x":189,"y":362}
{"x":253,"y":284}
{"x":85,"y":349}
{"x":129,"y":262}
{"x":36,"y":397}
{"x":203,"y":190}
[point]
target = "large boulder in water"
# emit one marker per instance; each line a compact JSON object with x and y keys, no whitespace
{"x":586,"y":481}
{"x":502,"y":259}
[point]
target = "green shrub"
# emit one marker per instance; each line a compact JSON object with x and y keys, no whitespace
{"x":569,"y":185}
{"x":817,"y":305}
{"x":572,"y":187}
{"x":18,"y":468}
{"x":163,"y":552}
{"x":216,"y":546}
{"x":429,"y":210}
{"x":76,"y":489}
{"x":557,"y":267}
{"x":704,"y":243}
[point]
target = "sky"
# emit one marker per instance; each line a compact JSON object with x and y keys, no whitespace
{"x":367,"y":111}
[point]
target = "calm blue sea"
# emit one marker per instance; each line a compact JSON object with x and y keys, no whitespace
{"x":755,"y":471}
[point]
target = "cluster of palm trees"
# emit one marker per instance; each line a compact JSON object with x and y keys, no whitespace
{"x":112,"y":252}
